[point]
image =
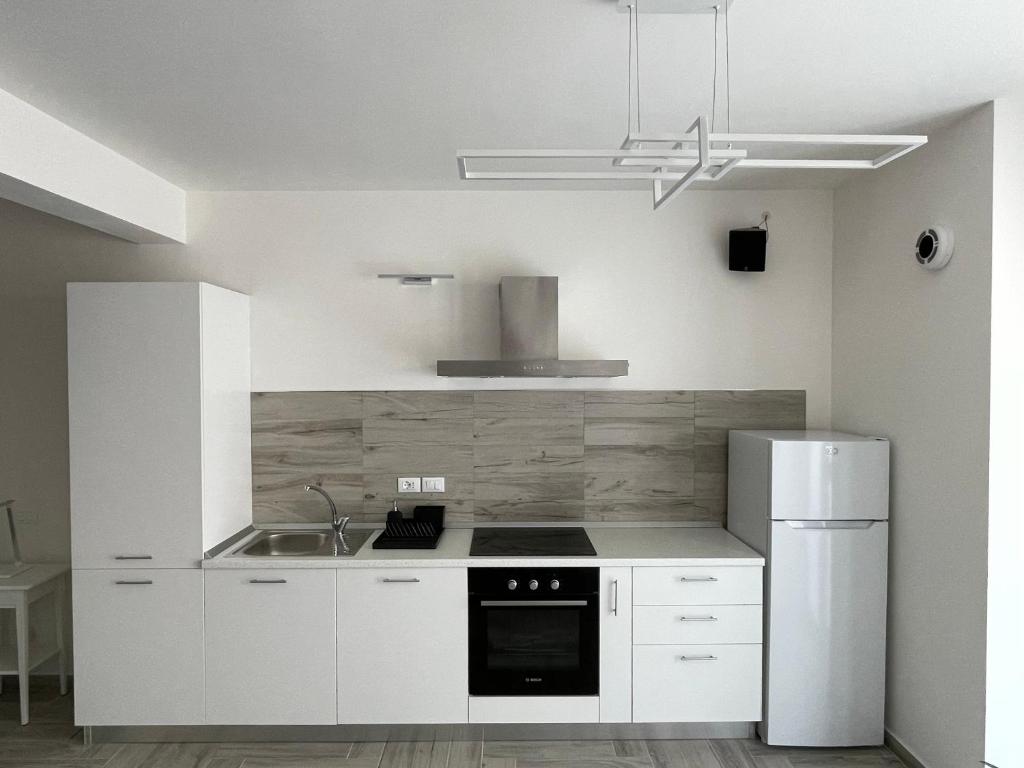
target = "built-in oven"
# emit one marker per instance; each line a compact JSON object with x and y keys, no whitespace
{"x":533,"y":632}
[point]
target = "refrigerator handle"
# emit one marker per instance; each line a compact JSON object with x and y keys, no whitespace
{"x":830,"y":524}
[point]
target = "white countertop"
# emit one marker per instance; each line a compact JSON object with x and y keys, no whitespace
{"x":673,"y":546}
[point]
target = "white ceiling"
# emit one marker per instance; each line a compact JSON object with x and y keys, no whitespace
{"x":364,"y":94}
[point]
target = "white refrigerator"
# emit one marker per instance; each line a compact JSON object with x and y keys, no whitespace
{"x":816,"y":505}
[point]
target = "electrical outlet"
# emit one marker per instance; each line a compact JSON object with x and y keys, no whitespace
{"x":409,"y":485}
{"x":433,"y":485}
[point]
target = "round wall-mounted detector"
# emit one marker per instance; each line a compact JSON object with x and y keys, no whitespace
{"x":934,"y":247}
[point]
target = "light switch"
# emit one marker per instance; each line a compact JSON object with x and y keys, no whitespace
{"x":433,"y":485}
{"x":408,"y":485}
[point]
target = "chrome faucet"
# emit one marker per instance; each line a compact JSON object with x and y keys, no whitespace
{"x":337,"y":523}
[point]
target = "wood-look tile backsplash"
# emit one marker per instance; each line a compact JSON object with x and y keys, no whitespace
{"x":563,"y":455}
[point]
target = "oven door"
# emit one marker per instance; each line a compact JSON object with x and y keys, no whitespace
{"x":546,"y":647}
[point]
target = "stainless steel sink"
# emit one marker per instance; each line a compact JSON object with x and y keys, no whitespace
{"x":304,"y":544}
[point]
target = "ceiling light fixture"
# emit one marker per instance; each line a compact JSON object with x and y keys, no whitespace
{"x":674,"y":162}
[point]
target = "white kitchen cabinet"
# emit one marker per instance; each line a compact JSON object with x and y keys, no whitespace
{"x":616,"y":606}
{"x":270,"y":647}
{"x":159,"y":426}
{"x":138,"y":647}
{"x":403,"y":645}
{"x":696,"y":683}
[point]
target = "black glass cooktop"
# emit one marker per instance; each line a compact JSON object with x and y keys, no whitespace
{"x":531,"y":542}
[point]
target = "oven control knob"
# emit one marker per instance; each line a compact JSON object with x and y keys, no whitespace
{"x":534,"y":584}
{"x":512,"y":583}
{"x":555,"y":584}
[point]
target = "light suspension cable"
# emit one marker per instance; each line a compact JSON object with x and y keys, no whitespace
{"x":714,"y":76}
{"x":636,"y":48}
{"x":728,"y":81}
{"x":629,"y":84}
{"x":633,"y":70}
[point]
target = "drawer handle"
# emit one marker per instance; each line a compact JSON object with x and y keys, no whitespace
{"x":698,"y":658}
{"x":268,"y":581}
{"x":135,"y":581}
{"x":698,"y":618}
{"x":533,"y":603}
{"x":400,"y":581}
{"x":133,"y":557}
{"x":698,"y":578}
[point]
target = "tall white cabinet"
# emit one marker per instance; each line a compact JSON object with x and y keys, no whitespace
{"x":159,"y":432}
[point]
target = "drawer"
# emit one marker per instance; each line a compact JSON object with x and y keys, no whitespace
{"x":696,"y":684}
{"x":692,"y":585}
{"x":689,"y":625}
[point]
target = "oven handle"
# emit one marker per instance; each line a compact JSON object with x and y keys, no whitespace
{"x":532,"y":603}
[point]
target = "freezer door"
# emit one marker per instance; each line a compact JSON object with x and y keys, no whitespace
{"x":825,"y":654}
{"x":820,"y":480}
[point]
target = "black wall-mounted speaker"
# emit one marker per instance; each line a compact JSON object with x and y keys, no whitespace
{"x":747,"y":249}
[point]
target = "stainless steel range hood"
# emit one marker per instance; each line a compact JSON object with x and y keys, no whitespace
{"x":529,"y":338}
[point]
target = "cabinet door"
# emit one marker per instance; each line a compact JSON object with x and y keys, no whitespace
{"x":616,"y":645}
{"x":270,"y":647}
{"x":134,"y":425}
{"x":696,"y":683}
{"x":403,"y":645}
{"x":138,"y":647}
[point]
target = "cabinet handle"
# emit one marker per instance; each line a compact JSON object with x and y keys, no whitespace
{"x":133,"y":557}
{"x":533,"y":603}
{"x":698,"y":618}
{"x":698,"y":658}
{"x":268,"y":581}
{"x":615,"y":597}
{"x":400,"y":581}
{"x":136,"y":581}
{"x":697,"y":578}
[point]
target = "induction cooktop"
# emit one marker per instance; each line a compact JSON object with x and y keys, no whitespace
{"x":531,"y":542}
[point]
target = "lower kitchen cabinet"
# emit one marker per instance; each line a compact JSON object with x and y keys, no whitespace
{"x":138,"y":638}
{"x":616,"y":604}
{"x":403,"y":646}
{"x":696,"y":683}
{"x":270,"y":647}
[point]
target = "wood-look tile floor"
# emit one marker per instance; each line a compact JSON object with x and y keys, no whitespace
{"x":51,"y":740}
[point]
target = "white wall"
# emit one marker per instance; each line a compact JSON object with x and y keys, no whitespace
{"x":649,"y":287}
{"x":1005,"y":663}
{"x":910,"y":361}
